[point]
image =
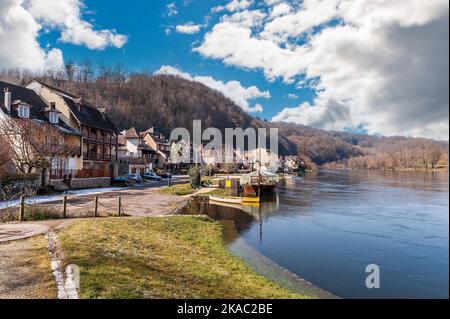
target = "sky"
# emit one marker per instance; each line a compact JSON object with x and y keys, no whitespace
{"x":377,"y":67}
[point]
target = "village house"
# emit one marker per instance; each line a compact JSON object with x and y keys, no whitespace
{"x":290,"y":164}
{"x":21,"y":104}
{"x":157,"y":141}
{"x":135,"y":156}
{"x":99,"y":135}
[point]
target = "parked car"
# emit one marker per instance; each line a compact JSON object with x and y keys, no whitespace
{"x":125,"y":180}
{"x":136,"y":177}
{"x":165,"y":175}
{"x":152,"y":176}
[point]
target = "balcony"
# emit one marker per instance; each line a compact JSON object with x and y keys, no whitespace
{"x":93,"y":156}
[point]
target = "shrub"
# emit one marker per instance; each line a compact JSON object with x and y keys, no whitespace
{"x":195,"y":177}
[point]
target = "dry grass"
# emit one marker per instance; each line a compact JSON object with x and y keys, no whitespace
{"x":167,"y":257}
{"x":180,"y":190}
{"x":25,"y":271}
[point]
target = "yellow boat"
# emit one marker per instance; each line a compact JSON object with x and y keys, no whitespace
{"x":227,"y":200}
{"x":235,"y":200}
{"x":251,"y":199}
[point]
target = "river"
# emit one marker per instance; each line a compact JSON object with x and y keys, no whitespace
{"x":327,"y":226}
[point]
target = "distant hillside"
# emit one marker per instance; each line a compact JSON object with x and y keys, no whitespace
{"x":359,"y":151}
{"x":167,"y":102}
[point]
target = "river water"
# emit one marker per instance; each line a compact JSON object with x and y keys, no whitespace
{"x":327,"y":226}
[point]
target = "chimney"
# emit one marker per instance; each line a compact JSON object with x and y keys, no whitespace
{"x":7,"y":99}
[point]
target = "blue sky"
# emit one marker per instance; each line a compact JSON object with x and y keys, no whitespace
{"x":149,"y":47}
{"x":378,"y":67}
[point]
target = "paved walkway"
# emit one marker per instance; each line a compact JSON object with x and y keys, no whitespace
{"x":10,"y":232}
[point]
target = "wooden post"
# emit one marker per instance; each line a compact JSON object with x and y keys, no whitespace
{"x":120,"y":206}
{"x":65,"y":207}
{"x":22,"y":208}
{"x":96,"y":206}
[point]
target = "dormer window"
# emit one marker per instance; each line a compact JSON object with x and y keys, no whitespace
{"x":23,"y":111}
{"x":53,"y":117}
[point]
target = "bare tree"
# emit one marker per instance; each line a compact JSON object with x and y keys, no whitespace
{"x":32,"y":144}
{"x":70,"y":70}
{"x":5,"y":153}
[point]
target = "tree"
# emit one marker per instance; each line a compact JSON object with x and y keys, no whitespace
{"x":70,"y":68}
{"x":195,"y":177}
{"x":32,"y":144}
{"x":5,"y":153}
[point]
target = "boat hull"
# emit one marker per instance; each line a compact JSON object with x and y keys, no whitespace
{"x":256,"y":190}
{"x":226,"y":200}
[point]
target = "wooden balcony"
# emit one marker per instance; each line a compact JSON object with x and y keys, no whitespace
{"x":92,"y":156}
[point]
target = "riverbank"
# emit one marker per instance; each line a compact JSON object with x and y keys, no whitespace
{"x":144,"y":256}
{"x":160,"y":257}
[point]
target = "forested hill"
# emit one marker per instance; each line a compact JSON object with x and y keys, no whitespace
{"x":167,"y":102}
{"x":164,"y":102}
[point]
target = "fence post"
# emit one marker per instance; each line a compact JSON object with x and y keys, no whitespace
{"x":22,"y":208}
{"x":96,"y":206}
{"x":64,"y":206}
{"x":120,"y":206}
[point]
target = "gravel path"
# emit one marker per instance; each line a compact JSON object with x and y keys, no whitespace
{"x":10,"y":232}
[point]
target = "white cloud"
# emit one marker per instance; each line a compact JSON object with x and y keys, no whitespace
{"x":18,"y":38}
{"x":188,"y":28}
{"x":66,"y":16}
{"x":172,"y":9}
{"x":232,"y":89}
{"x":280,"y":10}
{"x":236,"y":5}
{"x":292,"y":96}
{"x":383,"y":64}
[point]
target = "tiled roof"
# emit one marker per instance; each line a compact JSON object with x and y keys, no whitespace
{"x":131,"y":133}
{"x":26,"y":96}
{"x":89,"y":115}
{"x":37,"y":106}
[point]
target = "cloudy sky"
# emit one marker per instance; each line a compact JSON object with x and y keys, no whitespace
{"x":380,"y":67}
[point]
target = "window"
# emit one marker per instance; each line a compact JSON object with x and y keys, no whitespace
{"x":24,"y":111}
{"x":53,"y":117}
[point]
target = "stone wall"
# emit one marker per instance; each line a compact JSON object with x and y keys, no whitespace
{"x":80,"y":183}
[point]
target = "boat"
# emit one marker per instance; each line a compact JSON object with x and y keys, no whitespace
{"x":227,"y":200}
{"x":251,"y":200}
{"x":258,"y":183}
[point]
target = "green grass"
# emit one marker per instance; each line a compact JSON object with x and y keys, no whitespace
{"x":220,"y":192}
{"x":180,"y":190}
{"x":167,"y":257}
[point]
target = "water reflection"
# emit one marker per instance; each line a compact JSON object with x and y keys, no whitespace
{"x":243,"y":216}
{"x":328,"y":226}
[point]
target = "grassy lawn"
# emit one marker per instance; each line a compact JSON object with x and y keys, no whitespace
{"x":168,"y":257}
{"x":180,"y":190}
{"x":220,"y":192}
